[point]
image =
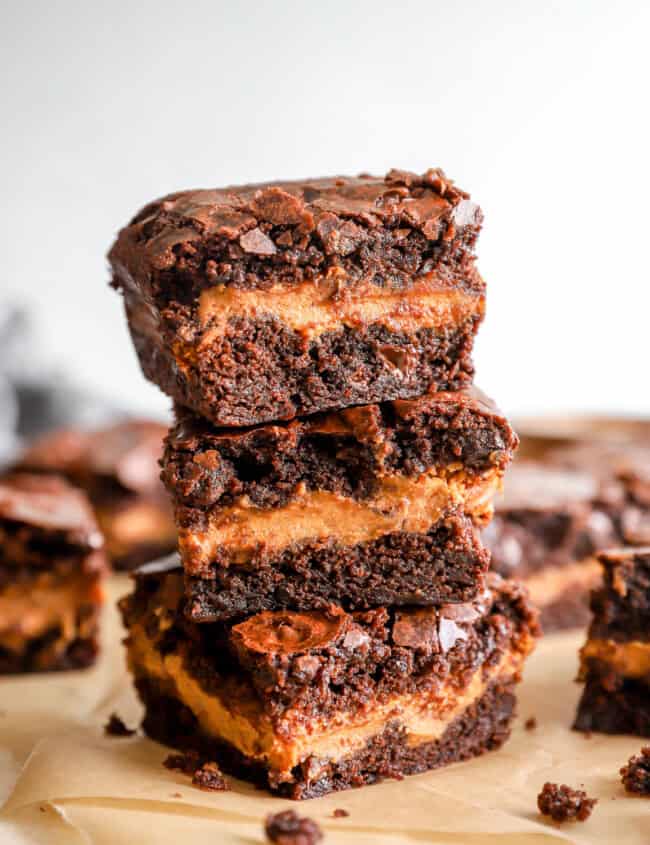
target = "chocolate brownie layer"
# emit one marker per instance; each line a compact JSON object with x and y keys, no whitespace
{"x":447,"y":563}
{"x":615,"y":659}
{"x":483,"y":726}
{"x":300,"y":694}
{"x":546,"y":529}
{"x":118,"y":468}
{"x":265,"y":302}
{"x":51,"y":566}
{"x":373,"y":493}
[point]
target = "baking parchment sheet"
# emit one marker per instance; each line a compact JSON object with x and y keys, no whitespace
{"x":66,"y":783}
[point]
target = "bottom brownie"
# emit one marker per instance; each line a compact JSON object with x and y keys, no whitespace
{"x":318,"y":701}
{"x":484,"y":726}
{"x":614,"y":705}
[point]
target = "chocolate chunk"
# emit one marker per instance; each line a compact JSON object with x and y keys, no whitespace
{"x":635,"y":775}
{"x":340,"y":814}
{"x":416,"y":629}
{"x":280,"y":208}
{"x":530,"y":724}
{"x":284,"y":632}
{"x":257,"y":242}
{"x":116,"y":727}
{"x":563,"y":804}
{"x":209,"y":777}
{"x":287,"y":828}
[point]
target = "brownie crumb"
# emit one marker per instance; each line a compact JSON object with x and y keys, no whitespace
{"x":635,"y":775}
{"x":187,"y":763}
{"x":563,"y":804}
{"x":340,"y":814}
{"x":530,"y":724}
{"x":288,"y":828}
{"x":209,"y":777}
{"x":116,"y":727}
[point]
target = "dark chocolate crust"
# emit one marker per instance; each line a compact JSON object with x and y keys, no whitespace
{"x":484,"y":726}
{"x":612,"y":704}
{"x":262,"y":371}
{"x":345,"y":452}
{"x":387,"y":233}
{"x":448,"y":564}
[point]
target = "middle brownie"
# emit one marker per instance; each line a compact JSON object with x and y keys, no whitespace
{"x":373,"y":505}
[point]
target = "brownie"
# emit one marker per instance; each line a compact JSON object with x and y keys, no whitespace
{"x":547,"y":527}
{"x":118,"y":467}
{"x":262,"y":302}
{"x":615,"y":660}
{"x":51,"y":567}
{"x":310,"y":702}
{"x":373,"y":505}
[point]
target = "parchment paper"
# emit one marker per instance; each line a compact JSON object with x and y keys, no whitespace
{"x":66,"y":783}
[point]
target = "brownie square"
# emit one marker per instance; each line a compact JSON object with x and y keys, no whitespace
{"x":260,"y":302}
{"x":307,"y":703}
{"x":51,"y":566}
{"x":546,"y":530}
{"x":377,"y":504}
{"x":118,"y":467}
{"x":615,"y":660}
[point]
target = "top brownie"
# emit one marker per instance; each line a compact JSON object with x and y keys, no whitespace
{"x":262,"y":302}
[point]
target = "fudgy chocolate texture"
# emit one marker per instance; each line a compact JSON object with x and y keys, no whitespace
{"x":483,"y":726}
{"x":621,"y":607}
{"x":320,"y":663}
{"x":446,"y":564}
{"x":346,"y":452}
{"x":118,"y":468}
{"x":383,"y":233}
{"x":261,"y":371}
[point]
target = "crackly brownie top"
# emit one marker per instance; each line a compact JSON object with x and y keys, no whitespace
{"x":343,"y":451}
{"x":127,"y":453}
{"x":298,"y":227}
{"x":51,"y":505}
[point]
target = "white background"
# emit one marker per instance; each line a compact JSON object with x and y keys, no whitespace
{"x":540,"y":109}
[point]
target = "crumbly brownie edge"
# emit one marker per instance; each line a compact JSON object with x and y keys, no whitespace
{"x":262,"y":372}
{"x":484,"y":726}
{"x":613,"y":704}
{"x":446,"y":565}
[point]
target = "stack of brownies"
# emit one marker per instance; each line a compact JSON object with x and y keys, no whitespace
{"x":331,"y":620}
